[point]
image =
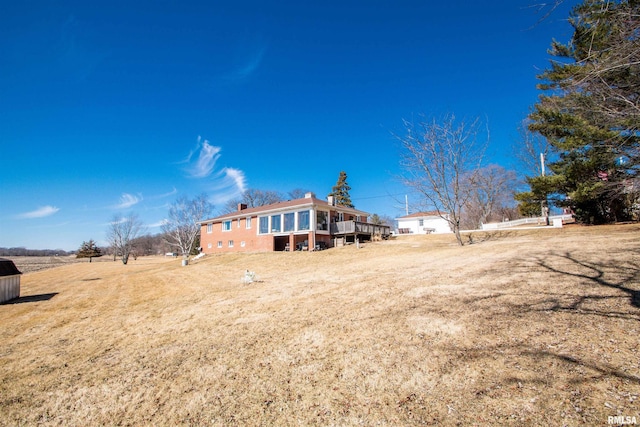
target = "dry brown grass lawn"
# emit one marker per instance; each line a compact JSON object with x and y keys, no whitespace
{"x":521,"y":328}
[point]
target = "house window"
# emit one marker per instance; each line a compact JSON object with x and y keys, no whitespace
{"x":247,"y":222}
{"x":275,"y":224}
{"x":322,"y":220}
{"x":420,"y":222}
{"x":263,"y":225}
{"x":238,"y":222}
{"x":219,"y":243}
{"x":226,"y":226}
{"x":289,"y":221}
{"x":230,"y":243}
{"x":210,"y":245}
{"x":209,"y":228}
{"x":303,"y":220}
{"x":242,"y":244}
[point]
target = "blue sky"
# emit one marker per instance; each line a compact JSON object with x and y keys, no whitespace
{"x":117,"y":107}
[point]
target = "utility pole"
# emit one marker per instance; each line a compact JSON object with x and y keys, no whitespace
{"x":406,"y":204}
{"x":544,"y":205}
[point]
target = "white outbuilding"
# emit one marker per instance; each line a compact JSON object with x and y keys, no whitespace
{"x":423,"y":223}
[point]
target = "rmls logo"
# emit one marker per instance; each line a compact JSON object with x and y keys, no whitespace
{"x":621,"y":420}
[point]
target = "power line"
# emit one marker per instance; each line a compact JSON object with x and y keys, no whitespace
{"x":384,"y":196}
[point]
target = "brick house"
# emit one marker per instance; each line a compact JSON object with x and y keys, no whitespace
{"x":301,"y":224}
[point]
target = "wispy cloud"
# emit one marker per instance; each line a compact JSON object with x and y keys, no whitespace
{"x":127,"y":200}
{"x":206,"y":157}
{"x":157,"y":224}
{"x":250,"y":65}
{"x":246,"y":58}
{"x":163,"y":196}
{"x":227,"y":182}
{"x":169,"y":194}
{"x":238,"y":178}
{"x":41,"y":212}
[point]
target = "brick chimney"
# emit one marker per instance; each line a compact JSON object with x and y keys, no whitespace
{"x":241,"y":206}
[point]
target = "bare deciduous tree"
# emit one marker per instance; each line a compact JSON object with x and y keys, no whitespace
{"x":492,"y":192}
{"x":527,"y":150}
{"x":181,"y":228}
{"x":297,"y":193}
{"x":122,"y":232}
{"x":254,"y":198}
{"x":439,"y":159}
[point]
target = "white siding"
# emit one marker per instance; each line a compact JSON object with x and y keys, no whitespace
{"x":439,"y":225}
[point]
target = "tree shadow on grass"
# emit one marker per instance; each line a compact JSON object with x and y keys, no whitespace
{"x":30,"y":298}
{"x":576,"y":303}
{"x":614,"y":275}
{"x":534,"y":358}
{"x":603,"y":370}
{"x":481,"y":236}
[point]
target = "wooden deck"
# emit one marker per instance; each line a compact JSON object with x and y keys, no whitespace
{"x":343,"y":228}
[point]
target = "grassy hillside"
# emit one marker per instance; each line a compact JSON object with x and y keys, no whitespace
{"x":520,"y":328}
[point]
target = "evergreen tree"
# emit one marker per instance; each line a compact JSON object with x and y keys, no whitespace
{"x":340,"y":191}
{"x":89,"y":250}
{"x":590,"y":114}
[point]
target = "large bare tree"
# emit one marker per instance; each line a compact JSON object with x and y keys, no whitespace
{"x":531,"y":150}
{"x":181,"y":228}
{"x":254,"y":198}
{"x":439,"y":159}
{"x":122,"y":232}
{"x":492,"y":189}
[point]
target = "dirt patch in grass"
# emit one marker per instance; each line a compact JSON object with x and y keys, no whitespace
{"x":534,"y":327}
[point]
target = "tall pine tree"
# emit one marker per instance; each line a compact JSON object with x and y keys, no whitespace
{"x":590,"y":113}
{"x":89,"y":250}
{"x":340,"y":191}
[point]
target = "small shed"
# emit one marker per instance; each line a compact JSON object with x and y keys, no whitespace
{"x":424,"y":223}
{"x":9,"y":280}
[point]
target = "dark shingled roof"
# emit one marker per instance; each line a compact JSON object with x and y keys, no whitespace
{"x":8,"y":268}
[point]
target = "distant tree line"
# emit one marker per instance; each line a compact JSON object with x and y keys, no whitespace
{"x":254,"y":198}
{"x":144,"y":245}
{"x":20,"y":251}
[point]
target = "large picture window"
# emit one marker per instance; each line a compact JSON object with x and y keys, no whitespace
{"x":322,"y":220}
{"x":275,"y":224}
{"x":263,"y":225}
{"x":289,"y":221}
{"x":303,"y":220}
